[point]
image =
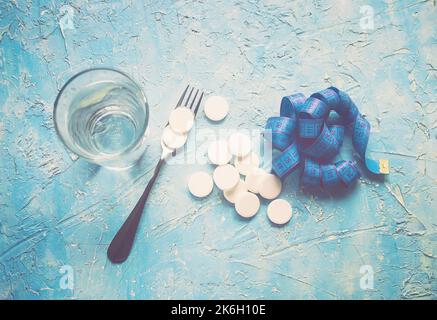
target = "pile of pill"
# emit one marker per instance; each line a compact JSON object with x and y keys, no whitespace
{"x":235,"y":159}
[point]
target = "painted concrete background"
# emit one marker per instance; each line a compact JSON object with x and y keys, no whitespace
{"x":58,"y":213}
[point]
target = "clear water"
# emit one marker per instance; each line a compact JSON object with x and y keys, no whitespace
{"x":113,"y":133}
{"x":105,"y":122}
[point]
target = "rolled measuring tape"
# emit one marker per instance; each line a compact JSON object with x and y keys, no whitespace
{"x":303,"y":135}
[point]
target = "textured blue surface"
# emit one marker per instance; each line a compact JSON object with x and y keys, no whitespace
{"x":56,"y":210}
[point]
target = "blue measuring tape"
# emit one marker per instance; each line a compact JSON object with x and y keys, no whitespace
{"x":303,"y":135}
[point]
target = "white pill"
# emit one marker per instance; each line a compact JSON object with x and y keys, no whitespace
{"x":247,"y":204}
{"x":218,"y":152}
{"x":269,"y":186}
{"x":200,"y":184}
{"x":216,"y":108}
{"x":253,"y":179}
{"x":172,"y":139}
{"x":232,"y":194}
{"x":246,"y":164}
{"x":279,"y":211}
{"x":226,"y":177}
{"x":239,"y":144}
{"x":181,"y":119}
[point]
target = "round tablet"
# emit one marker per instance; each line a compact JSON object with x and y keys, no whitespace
{"x":226,"y":177}
{"x":269,"y":186}
{"x":247,"y":204}
{"x":218,"y":152}
{"x":200,"y":184}
{"x":216,"y":108}
{"x":279,"y":211}
{"x":239,"y":144}
{"x":172,"y":139}
{"x":246,"y":164}
{"x":232,"y":194}
{"x":253,"y":179}
{"x":181,"y":119}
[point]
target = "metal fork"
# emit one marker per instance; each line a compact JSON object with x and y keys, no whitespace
{"x":121,"y":245}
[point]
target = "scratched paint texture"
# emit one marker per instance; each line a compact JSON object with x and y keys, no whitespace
{"x":58,"y":210}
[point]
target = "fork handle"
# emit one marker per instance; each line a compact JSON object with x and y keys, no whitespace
{"x":121,"y":245}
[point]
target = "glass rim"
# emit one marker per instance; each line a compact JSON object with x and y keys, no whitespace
{"x":75,"y":76}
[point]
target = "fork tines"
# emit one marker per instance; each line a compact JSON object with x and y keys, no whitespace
{"x":190,"y":102}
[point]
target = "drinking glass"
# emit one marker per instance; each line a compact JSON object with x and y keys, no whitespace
{"x":102,"y":115}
